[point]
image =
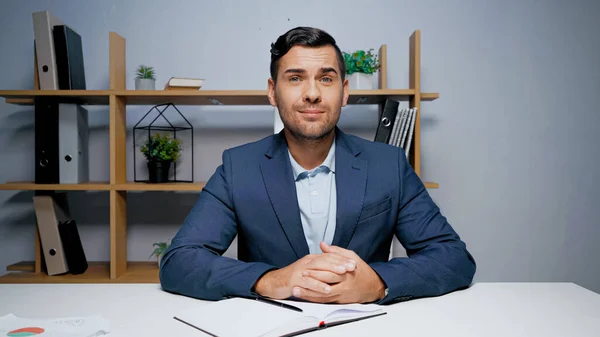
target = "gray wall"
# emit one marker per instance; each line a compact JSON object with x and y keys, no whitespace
{"x":512,"y":139}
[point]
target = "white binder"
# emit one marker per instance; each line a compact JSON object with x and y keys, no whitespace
{"x":73,"y":140}
{"x":43,"y":23}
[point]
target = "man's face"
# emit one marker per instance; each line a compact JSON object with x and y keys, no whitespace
{"x":309,"y":92}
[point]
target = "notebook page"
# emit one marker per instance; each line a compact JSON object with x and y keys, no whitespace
{"x":331,"y":311}
{"x":237,"y":317}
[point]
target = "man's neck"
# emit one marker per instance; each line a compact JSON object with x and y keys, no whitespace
{"x":309,"y":153}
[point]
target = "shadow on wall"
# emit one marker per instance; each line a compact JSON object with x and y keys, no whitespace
{"x":92,"y":208}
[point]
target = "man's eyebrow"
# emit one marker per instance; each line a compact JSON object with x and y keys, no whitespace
{"x":303,"y":71}
{"x":328,"y":70}
{"x":295,"y":70}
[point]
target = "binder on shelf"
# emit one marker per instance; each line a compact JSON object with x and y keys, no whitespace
{"x":43,"y":24}
{"x":73,"y":140}
{"x":69,"y":58}
{"x":74,"y":253}
{"x":48,"y":214}
{"x":46,"y":141}
{"x":386,"y":122}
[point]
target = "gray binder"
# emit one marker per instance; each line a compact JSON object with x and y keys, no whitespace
{"x":48,"y":214}
{"x":43,"y":23}
{"x":73,"y":140}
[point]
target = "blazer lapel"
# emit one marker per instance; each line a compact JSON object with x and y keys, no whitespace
{"x":278,"y":178}
{"x":351,"y":181}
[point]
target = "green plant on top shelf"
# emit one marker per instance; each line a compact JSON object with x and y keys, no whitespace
{"x":361,"y":61}
{"x":144,"y":71}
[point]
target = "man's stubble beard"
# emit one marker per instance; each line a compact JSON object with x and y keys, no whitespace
{"x":296,"y":131}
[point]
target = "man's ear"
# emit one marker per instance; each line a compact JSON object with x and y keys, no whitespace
{"x":271,"y":92}
{"x":346,"y":92}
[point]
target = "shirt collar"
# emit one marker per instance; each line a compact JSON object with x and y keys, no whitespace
{"x":329,"y":162}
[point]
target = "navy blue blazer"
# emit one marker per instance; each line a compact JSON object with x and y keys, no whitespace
{"x":252,"y":195}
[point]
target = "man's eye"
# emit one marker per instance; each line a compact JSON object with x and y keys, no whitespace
{"x":294,"y":79}
{"x":327,"y":79}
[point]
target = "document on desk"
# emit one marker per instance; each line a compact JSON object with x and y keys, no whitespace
{"x":248,"y":317}
{"x":89,"y":326}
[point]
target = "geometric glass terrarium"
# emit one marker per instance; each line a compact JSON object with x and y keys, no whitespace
{"x":162,"y":144}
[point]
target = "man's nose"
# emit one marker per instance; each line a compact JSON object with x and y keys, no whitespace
{"x":312,"y":93}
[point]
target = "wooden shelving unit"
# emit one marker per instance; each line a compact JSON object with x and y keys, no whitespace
{"x":118,"y":269}
{"x":31,"y":186}
{"x":195,"y":97}
{"x":98,"y":272}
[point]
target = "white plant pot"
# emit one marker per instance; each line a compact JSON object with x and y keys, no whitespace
{"x":360,"y":81}
{"x":144,"y":84}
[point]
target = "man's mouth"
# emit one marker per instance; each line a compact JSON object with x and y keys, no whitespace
{"x":311,"y":111}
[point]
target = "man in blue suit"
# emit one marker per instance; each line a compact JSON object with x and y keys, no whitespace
{"x":314,"y":209}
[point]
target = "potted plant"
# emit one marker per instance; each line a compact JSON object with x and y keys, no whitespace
{"x":160,"y":151}
{"x":360,"y":67}
{"x":144,"y":78}
{"x":160,"y":249}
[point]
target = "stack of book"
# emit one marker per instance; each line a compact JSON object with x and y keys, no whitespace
{"x":396,"y":126}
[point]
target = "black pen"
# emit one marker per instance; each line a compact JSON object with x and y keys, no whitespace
{"x":279,"y":304}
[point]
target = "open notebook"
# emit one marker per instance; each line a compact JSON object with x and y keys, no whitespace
{"x":247,"y":317}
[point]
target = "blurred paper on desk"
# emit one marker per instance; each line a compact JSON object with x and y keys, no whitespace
{"x":90,"y":326}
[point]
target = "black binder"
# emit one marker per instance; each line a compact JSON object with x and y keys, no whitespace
{"x":68,"y":50}
{"x":386,"y":122}
{"x":46,"y":141}
{"x":74,"y":253}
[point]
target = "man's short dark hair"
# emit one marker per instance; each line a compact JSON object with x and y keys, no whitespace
{"x":307,"y":37}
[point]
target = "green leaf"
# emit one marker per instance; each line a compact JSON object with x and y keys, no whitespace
{"x":161,"y":147}
{"x":361,"y":61}
{"x":144,"y":71}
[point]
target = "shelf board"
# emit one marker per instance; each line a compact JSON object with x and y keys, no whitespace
{"x":97,"y":272}
{"x":244,"y":97}
{"x":31,"y":186}
{"x":85,"y":97}
{"x":432,"y":185}
{"x":429,"y":96}
{"x":140,"y":186}
{"x":194,"y":97}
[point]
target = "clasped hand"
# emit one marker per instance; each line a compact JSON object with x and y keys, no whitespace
{"x":336,"y":276}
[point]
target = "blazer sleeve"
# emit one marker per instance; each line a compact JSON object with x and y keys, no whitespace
{"x":438,"y":261}
{"x":193,"y":264}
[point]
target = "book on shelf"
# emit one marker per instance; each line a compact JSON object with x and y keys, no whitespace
{"x":184,"y":83}
{"x":250,"y":317}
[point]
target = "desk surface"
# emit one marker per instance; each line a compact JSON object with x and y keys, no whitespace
{"x":485,"y":309}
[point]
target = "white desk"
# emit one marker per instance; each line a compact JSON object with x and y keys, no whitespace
{"x":486,"y":309}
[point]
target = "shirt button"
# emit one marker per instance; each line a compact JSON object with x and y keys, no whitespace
{"x":314,"y":192}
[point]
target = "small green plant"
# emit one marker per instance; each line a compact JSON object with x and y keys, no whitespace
{"x":361,"y":61}
{"x":160,"y":249}
{"x":161,"y":148}
{"x":145,"y":72}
